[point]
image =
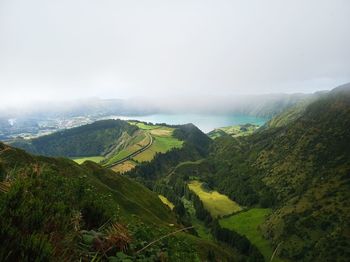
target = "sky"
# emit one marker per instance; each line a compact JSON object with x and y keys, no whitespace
{"x":69,"y":49}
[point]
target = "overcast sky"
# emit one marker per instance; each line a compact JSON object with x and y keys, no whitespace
{"x":120,"y":49}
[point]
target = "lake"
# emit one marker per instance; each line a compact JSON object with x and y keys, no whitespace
{"x":205,"y":122}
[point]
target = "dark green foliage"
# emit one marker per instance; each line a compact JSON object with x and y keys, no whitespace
{"x":300,"y":166}
{"x":40,"y":206}
{"x":163,"y":164}
{"x":89,"y":140}
{"x":201,"y":212}
{"x":57,"y":210}
{"x":236,"y":240}
{"x":193,"y":136}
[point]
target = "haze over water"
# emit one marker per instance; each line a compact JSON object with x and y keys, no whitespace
{"x":206,"y":122}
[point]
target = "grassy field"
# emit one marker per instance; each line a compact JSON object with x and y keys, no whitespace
{"x":124,"y":167}
{"x":217,"y":204}
{"x":80,"y":160}
{"x":166,"y":202}
{"x":247,"y":223}
{"x":160,"y":144}
{"x":143,"y":125}
{"x":163,"y":141}
{"x":136,"y":143}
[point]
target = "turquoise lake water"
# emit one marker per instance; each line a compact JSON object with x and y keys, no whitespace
{"x":204,"y":121}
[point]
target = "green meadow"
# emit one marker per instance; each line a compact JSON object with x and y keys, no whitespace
{"x":166,"y":202}
{"x":247,"y":223}
{"x":160,"y":145}
{"x":163,"y":141}
{"x":96,"y":159}
{"x":217,"y":204}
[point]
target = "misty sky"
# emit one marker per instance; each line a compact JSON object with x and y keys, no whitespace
{"x":120,"y":49}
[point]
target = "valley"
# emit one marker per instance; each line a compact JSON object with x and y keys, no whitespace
{"x":175,"y":131}
{"x":248,"y":223}
{"x":246,"y":192}
{"x":217,"y":204}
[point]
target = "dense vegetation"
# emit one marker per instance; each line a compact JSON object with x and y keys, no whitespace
{"x":299,"y":166}
{"x":291,"y":177}
{"x":55,"y":209}
{"x":195,"y":146}
{"x":247,"y":223}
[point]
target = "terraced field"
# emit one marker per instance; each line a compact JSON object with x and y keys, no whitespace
{"x":141,"y":147}
{"x":163,"y":141}
{"x":217,"y":204}
{"x":161,"y":144}
{"x":135,"y":145}
{"x":124,"y":167}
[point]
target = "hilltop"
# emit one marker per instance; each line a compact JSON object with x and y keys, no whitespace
{"x":234,"y":131}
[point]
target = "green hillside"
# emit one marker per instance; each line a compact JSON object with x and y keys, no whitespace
{"x":106,"y":142}
{"x":96,"y":139}
{"x":55,"y":209}
{"x":248,"y":223}
{"x":163,"y":140}
{"x":234,"y":131}
{"x":217,"y":204}
{"x":299,"y":166}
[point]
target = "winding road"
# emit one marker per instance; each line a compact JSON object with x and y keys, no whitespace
{"x":133,"y":154}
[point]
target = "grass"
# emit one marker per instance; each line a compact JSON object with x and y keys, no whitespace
{"x":124,"y":167}
{"x":201,"y":229}
{"x":247,"y":223}
{"x":217,"y":204}
{"x":80,"y":160}
{"x":161,"y":144}
{"x":166,"y":202}
{"x":234,"y":131}
{"x":134,"y":144}
{"x":203,"y":246}
{"x":163,"y":141}
{"x":143,"y":125}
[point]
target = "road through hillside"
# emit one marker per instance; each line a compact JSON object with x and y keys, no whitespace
{"x":130,"y":156}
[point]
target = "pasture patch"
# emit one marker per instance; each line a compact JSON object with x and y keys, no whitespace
{"x":217,"y":204}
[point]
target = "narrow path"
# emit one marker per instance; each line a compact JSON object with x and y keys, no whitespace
{"x":130,"y":156}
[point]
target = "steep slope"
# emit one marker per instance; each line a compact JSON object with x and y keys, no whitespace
{"x":129,"y":195}
{"x":196,"y":145}
{"x":300,"y":167}
{"x":55,"y":209}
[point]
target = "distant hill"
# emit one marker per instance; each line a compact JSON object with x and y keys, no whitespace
{"x":234,"y":131}
{"x":111,"y":141}
{"x":98,"y":138}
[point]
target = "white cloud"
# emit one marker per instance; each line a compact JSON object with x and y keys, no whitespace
{"x":75,"y":49}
